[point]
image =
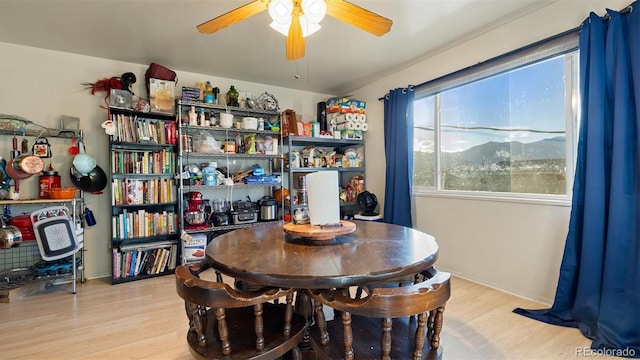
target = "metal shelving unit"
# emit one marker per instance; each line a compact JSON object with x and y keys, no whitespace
{"x":26,"y":255}
{"x":224,"y":160}
{"x":345,"y":173}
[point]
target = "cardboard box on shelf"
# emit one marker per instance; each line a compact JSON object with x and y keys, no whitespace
{"x":357,"y":106}
{"x":193,"y":247}
{"x":289,"y":123}
{"x":346,"y":105}
{"x":336,"y":104}
{"x":306,"y":129}
{"x":351,"y":134}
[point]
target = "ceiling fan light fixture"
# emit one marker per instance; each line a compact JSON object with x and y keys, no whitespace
{"x":314,"y":10}
{"x":280,"y":11}
{"x":307,"y":26}
{"x":282,"y":28}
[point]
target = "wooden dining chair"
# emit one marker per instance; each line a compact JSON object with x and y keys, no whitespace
{"x":388,"y":323}
{"x":226,"y":323}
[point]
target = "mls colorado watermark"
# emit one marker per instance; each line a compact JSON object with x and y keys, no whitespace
{"x":589,"y":352}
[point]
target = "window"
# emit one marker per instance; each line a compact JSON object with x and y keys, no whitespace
{"x":502,"y":128}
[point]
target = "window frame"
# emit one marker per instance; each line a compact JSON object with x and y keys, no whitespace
{"x":562,"y":44}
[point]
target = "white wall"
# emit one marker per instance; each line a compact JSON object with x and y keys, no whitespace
{"x":41,"y":85}
{"x":516,"y":247}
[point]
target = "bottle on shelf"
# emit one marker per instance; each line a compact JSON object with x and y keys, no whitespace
{"x":232,"y":96}
{"x":239,"y":144}
{"x":201,"y":118}
{"x":208,"y":97}
{"x":193,"y":116}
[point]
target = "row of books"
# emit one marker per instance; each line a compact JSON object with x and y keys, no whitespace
{"x":132,"y":128}
{"x":144,"y":260}
{"x":140,"y":223}
{"x":143,"y":162}
{"x":146,"y":191}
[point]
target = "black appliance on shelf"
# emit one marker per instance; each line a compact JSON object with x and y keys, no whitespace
{"x":244,"y":212}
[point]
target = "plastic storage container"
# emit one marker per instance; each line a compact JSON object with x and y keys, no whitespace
{"x":209,"y":174}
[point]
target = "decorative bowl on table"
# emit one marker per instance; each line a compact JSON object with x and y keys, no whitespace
{"x":63,"y":193}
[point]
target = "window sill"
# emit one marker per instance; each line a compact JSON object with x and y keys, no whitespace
{"x":548,"y":200}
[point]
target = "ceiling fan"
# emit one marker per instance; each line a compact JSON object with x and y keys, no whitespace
{"x":298,"y":18}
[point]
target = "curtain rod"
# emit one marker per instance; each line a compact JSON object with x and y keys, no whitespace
{"x":626,"y":10}
{"x":537,"y":43}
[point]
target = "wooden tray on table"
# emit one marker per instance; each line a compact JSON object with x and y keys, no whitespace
{"x":319,"y":232}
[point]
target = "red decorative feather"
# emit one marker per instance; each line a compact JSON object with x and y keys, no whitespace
{"x":105,"y":85}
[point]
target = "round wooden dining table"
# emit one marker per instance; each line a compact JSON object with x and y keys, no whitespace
{"x":375,"y":252}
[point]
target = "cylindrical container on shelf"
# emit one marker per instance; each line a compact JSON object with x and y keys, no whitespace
{"x":302,"y":182}
{"x":47,"y":181}
{"x":209,"y":174}
{"x":303,"y":197}
{"x":226,"y":120}
{"x":229,"y":146}
{"x":321,"y":115}
{"x":186,"y":143}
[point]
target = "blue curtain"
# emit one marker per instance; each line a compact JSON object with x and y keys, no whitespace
{"x":599,"y":285}
{"x":398,"y":147}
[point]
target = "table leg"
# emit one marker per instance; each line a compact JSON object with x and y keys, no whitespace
{"x":304,"y":307}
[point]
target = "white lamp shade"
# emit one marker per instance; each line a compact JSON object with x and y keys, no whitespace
{"x":281,"y":28}
{"x":315,"y":10}
{"x":308,"y":27}
{"x":280,"y":11}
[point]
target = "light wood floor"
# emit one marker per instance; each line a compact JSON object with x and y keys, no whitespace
{"x":146,"y":320}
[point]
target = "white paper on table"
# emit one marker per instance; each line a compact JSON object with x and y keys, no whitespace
{"x":324,"y":198}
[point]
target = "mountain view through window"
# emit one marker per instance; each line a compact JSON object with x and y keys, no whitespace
{"x":505,"y":133}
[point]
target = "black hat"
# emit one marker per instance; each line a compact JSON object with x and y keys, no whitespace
{"x":127,"y":79}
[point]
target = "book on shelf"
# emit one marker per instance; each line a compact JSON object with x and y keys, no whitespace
{"x":126,"y":260}
{"x":174,"y":256}
{"x":150,"y":261}
{"x":139,"y":261}
{"x":143,"y":223}
{"x":157,"y":260}
{"x":144,"y":259}
{"x":130,"y":191}
{"x":116,"y":263}
{"x":135,"y":191}
{"x":134,"y":128}
{"x":132,"y":263}
{"x":142,"y":162}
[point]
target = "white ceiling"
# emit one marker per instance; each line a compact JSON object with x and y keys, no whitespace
{"x":339,"y":58}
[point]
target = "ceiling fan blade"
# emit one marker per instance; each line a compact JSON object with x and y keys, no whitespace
{"x":295,"y":40}
{"x":233,"y":16}
{"x":358,"y":17}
